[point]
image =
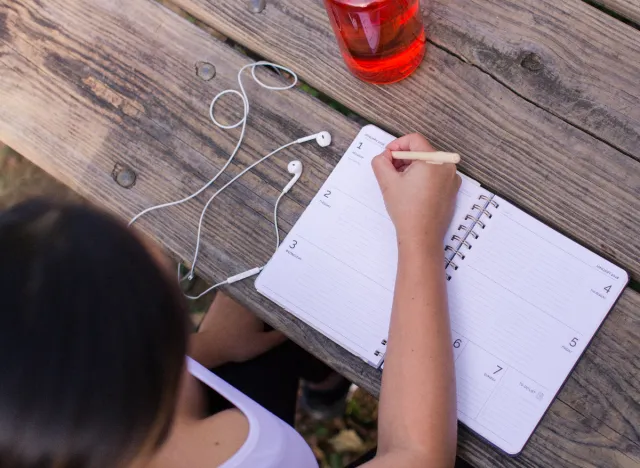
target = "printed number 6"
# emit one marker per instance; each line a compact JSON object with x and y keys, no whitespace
{"x":457,"y":343}
{"x":574,"y":342}
{"x":293,"y":244}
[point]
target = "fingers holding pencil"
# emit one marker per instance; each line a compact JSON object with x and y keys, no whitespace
{"x":414,"y":147}
{"x":416,"y":193}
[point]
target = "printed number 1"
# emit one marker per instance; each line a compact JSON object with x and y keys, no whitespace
{"x":360,"y":145}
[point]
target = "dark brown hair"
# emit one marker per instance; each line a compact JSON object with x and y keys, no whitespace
{"x":92,"y":340}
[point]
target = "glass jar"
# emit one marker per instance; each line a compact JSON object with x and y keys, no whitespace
{"x":382,"y":41}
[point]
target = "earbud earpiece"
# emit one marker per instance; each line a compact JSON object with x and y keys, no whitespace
{"x":295,"y":168}
{"x":323,"y":139}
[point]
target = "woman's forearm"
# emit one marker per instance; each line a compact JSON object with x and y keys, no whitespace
{"x":418,"y":399}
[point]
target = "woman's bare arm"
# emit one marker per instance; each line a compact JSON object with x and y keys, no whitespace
{"x":418,"y":424}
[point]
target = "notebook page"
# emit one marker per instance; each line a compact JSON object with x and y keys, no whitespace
{"x":336,"y":269}
{"x":524,"y":302}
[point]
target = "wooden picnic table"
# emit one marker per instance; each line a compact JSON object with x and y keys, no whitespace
{"x":541,"y":98}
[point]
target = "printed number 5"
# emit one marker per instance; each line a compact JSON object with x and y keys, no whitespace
{"x":574,"y":342}
{"x":293,"y":244}
{"x":457,"y":343}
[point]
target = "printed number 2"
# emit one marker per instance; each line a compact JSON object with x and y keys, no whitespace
{"x":574,"y":342}
{"x":360,"y":145}
{"x":293,"y":244}
{"x":326,"y":195}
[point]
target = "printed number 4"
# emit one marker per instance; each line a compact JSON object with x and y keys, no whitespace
{"x":293,"y":244}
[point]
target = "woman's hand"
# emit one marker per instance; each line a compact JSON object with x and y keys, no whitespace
{"x":231,"y":333}
{"x":419,"y":197}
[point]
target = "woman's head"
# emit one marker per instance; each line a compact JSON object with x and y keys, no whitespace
{"x":92,"y":340}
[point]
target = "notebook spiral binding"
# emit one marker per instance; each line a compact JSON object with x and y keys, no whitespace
{"x":380,"y":352}
{"x":463,"y":239}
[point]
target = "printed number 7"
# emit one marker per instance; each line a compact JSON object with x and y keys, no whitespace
{"x":499,"y":369}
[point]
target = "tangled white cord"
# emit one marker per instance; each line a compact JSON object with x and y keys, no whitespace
{"x":242,"y":122}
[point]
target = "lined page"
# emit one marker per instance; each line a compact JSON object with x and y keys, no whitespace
{"x":336,"y":269}
{"x":524,"y":302}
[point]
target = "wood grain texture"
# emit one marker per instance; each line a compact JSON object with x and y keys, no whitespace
{"x":567,"y":57}
{"x":572,"y":181}
{"x":628,"y":9}
{"x":85,"y":87}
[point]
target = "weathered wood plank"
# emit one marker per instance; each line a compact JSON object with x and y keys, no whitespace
{"x":628,"y":9}
{"x":119,"y":87}
{"x":571,"y":180}
{"x":567,"y":57}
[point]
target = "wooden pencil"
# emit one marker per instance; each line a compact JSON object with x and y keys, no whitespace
{"x":434,"y":157}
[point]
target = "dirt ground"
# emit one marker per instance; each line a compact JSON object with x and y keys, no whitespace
{"x":335,"y":442}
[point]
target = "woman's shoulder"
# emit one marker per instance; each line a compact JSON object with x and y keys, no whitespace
{"x":203,"y":443}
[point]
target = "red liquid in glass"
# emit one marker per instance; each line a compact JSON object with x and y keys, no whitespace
{"x":382,"y":41}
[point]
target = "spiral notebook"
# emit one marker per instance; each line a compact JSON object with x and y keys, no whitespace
{"x":524,"y":300}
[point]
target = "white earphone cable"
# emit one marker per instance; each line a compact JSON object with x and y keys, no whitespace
{"x":206,"y":207}
{"x":205,"y":292}
{"x":242,"y":121}
{"x":275,"y":218}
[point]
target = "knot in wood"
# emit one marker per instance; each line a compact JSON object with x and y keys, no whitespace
{"x":256,"y":6}
{"x":532,"y":62}
{"x":124,"y":176}
{"x":205,"y":70}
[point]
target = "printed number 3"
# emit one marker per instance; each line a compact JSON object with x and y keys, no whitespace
{"x":293,"y":244}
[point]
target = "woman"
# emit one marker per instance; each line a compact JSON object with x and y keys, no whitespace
{"x":93,"y":333}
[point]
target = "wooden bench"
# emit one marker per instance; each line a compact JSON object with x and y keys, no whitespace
{"x":541,"y":99}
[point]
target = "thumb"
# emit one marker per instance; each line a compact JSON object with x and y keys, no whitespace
{"x":384,"y":169}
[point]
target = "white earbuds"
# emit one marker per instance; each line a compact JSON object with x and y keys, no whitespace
{"x":322,"y":138}
{"x":295,"y":168}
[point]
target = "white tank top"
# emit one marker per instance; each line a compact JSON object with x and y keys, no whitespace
{"x":271,"y":442}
